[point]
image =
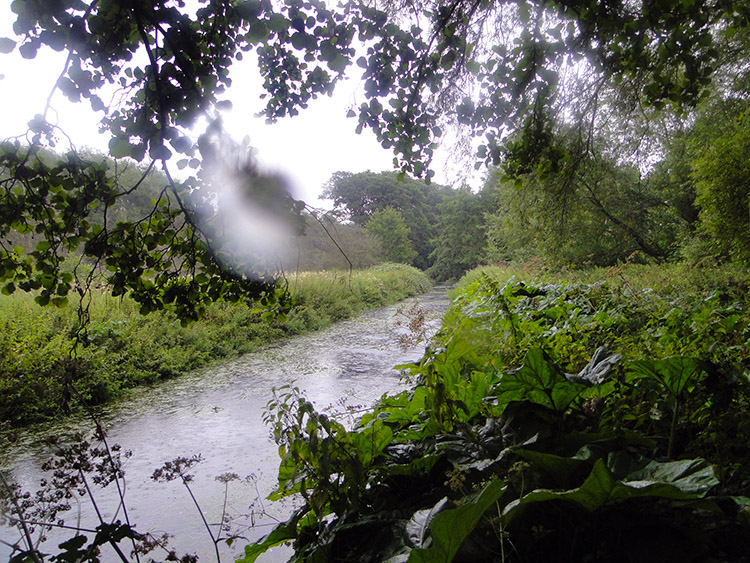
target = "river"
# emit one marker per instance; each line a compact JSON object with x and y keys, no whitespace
{"x":217,"y":412}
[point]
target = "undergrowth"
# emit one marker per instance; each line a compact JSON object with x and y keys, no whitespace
{"x":40,"y":379}
{"x":603,"y":420}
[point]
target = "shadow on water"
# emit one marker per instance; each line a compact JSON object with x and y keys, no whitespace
{"x":217,"y":412}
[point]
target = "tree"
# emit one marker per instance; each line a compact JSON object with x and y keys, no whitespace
{"x":593,"y":211}
{"x":461,"y":243}
{"x":389,"y":228}
{"x":328,"y":244}
{"x":358,"y":196}
{"x":722,"y":175}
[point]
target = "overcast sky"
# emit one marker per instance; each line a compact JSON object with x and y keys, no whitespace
{"x":307,"y":148}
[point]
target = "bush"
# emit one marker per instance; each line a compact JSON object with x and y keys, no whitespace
{"x":123,"y":349}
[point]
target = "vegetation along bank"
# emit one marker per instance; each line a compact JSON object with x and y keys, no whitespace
{"x":605,"y":417}
{"x":123,"y":349}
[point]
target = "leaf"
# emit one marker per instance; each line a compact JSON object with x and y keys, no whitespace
{"x":339,"y":63}
{"x":418,"y":526}
{"x":676,"y":373}
{"x":692,"y":476}
{"x":450,"y":528}
{"x":6,"y":45}
{"x":409,"y":409}
{"x":371,"y":441}
{"x":597,"y":369}
{"x":181,"y":145}
{"x":559,"y":467}
{"x":683,"y":480}
{"x":538,"y":381}
{"x":119,"y":148}
{"x":158,"y":151}
{"x":280,"y":534}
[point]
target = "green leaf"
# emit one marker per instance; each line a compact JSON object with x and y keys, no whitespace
{"x":119,"y":148}
{"x":538,"y":381}
{"x":339,"y":63}
{"x":257,"y":32}
{"x":677,"y":373}
{"x":692,"y":476}
{"x":558,"y":467}
{"x":6,"y":45}
{"x":280,"y":534}
{"x":450,"y":528}
{"x":597,"y":369}
{"x":371,"y":441}
{"x":417,"y":529}
{"x":159,"y":152}
{"x":683,"y":480}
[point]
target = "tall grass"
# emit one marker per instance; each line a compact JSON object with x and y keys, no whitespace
{"x":667,"y":278}
{"x":39,"y":379}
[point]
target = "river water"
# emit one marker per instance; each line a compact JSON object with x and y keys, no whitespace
{"x":217,"y":412}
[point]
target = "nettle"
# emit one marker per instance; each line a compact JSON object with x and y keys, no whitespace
{"x":498,"y":453}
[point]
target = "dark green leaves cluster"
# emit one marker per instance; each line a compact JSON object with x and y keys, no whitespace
{"x":185,"y":69}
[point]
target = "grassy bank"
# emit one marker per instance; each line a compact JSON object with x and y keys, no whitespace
{"x":39,"y":380}
{"x":585,"y":416}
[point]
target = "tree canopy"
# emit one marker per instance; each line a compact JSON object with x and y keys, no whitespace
{"x":511,"y":74}
{"x":357,"y":197}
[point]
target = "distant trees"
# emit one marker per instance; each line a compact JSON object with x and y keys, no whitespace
{"x":596,"y":213}
{"x":460,"y":243}
{"x":389,"y":228}
{"x":329,"y":244}
{"x":357,"y":197}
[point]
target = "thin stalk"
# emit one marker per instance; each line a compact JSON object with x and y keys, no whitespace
{"x":14,"y":521}
{"x":111,"y":542}
{"x":203,"y":517}
{"x":24,"y":528}
{"x":224,"y":508}
{"x":673,"y":428}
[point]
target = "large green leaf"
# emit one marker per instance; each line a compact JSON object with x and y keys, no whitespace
{"x":684,"y":480}
{"x":371,"y":441}
{"x":282,"y":533}
{"x":405,"y":407}
{"x":691,"y":476}
{"x":450,"y":528}
{"x":677,"y":373}
{"x":417,"y":529}
{"x":559,"y":467}
{"x":538,"y":381}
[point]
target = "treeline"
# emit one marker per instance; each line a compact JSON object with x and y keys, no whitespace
{"x":411,"y":221}
{"x":687,"y":200}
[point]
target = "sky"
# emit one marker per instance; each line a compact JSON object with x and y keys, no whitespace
{"x":307,"y":149}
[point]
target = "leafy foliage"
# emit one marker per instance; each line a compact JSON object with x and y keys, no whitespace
{"x":517,"y":443}
{"x":389,"y":228}
{"x":722,"y":180}
{"x":497,"y":69}
{"x":358,"y":196}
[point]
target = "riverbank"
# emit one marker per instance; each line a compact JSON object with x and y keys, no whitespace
{"x":619,"y":398}
{"x":39,"y":381}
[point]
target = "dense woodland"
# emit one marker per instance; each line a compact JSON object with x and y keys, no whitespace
{"x":587,"y":397}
